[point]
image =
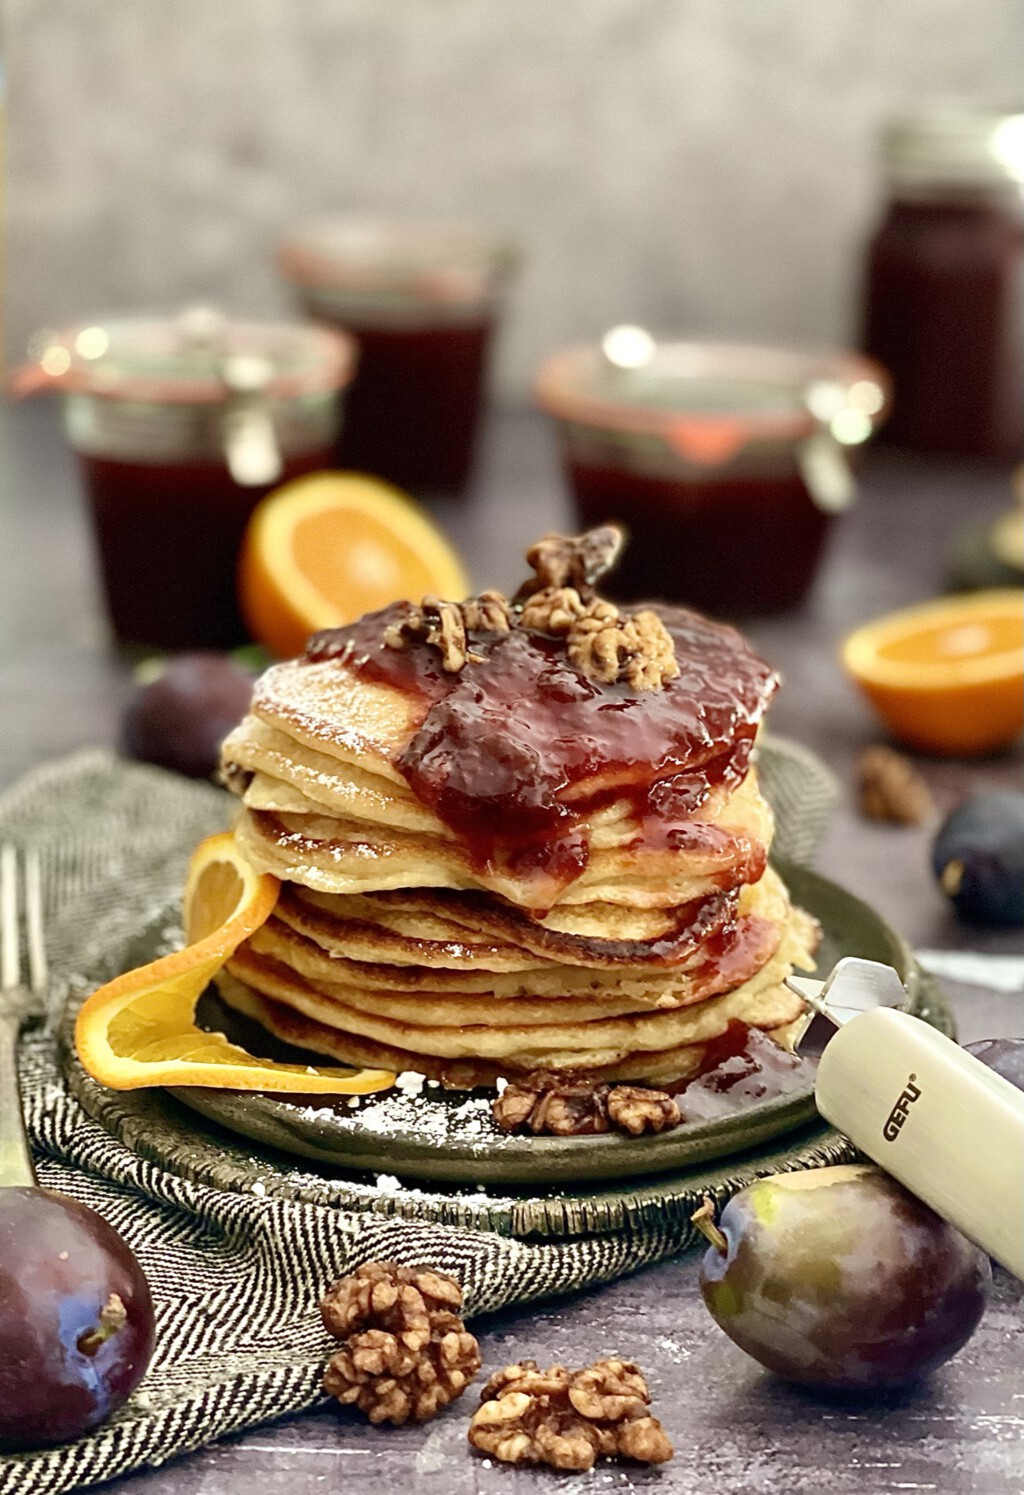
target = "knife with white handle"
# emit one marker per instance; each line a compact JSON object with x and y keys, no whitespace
{"x":950,"y":1129}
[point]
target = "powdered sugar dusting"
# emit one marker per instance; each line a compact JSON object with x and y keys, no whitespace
{"x":432,"y":1117}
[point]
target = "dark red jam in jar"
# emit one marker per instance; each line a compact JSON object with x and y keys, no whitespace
{"x":168,"y":537}
{"x":726,"y":464}
{"x":422,"y":301}
{"x":944,"y":285}
{"x":181,"y":426}
{"x":414,"y":410}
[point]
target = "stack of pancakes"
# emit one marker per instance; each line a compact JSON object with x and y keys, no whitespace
{"x":397,"y":944}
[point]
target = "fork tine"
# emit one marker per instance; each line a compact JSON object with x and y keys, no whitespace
{"x":34,"y":921}
{"x":10,"y":965}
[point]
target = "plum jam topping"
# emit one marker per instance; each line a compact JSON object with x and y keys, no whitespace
{"x":515,"y":751}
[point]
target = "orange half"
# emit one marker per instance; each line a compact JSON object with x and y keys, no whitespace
{"x":140,"y":1029}
{"x":948,"y":676}
{"x":325,"y":549}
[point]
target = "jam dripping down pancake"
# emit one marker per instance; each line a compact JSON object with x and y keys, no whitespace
{"x":518,"y":749}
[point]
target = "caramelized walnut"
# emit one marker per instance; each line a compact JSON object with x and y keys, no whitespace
{"x":890,"y":788}
{"x":437,"y":624}
{"x":601,"y":642}
{"x":407,"y":1353}
{"x":609,"y":646}
{"x":488,"y":613}
{"x":553,"y":610}
{"x":577,"y":561}
{"x":449,"y":626}
{"x":568,"y":1418}
{"x":574,"y":1106}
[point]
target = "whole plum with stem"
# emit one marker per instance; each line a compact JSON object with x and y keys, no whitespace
{"x":76,"y":1318}
{"x":839,"y":1279}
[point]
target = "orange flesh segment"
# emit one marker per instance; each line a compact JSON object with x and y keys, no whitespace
{"x":326,"y":548}
{"x":371,"y":558}
{"x":951,"y":641}
{"x":946,"y":676}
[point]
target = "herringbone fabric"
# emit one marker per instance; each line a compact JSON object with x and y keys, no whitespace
{"x":236,"y":1275}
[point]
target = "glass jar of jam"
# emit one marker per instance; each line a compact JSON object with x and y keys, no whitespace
{"x":944,"y":292}
{"x":422,"y":301}
{"x":726,"y":464}
{"x":181,"y":426}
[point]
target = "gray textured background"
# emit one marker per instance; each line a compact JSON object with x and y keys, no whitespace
{"x":697,"y":165}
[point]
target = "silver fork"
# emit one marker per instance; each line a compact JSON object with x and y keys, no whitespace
{"x":21,"y":904}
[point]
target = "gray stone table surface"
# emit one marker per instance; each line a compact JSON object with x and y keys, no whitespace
{"x":735,"y":1429}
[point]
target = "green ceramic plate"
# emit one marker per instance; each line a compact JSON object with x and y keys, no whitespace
{"x":255,"y":1144}
{"x":439,"y":1136}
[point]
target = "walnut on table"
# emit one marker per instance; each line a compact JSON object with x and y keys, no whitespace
{"x":406,"y":1352}
{"x":565,"y":1105}
{"x":568,"y":1418}
{"x":889,"y":787}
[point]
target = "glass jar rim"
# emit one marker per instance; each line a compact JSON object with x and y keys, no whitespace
{"x":434,"y":261}
{"x":955,"y":145}
{"x":712,"y":397}
{"x":196,"y":358}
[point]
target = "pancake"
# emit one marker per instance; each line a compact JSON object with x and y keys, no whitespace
{"x":345,"y":856}
{"x":740,"y":938}
{"x":473,"y":932}
{"x":514,"y":836}
{"x":777,"y":1015}
{"x":276,"y":962}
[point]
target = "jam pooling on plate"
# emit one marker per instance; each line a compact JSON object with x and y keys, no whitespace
{"x":518,"y":749}
{"x":741,"y":1067}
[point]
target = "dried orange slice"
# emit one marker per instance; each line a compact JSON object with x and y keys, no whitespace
{"x":324,"y":549}
{"x":140,"y":1029}
{"x":948,"y":676}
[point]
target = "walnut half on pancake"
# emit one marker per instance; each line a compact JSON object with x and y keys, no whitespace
{"x":515,"y":833}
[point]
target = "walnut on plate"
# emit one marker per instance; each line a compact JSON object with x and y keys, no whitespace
{"x":561,"y":1105}
{"x":634,"y":1109}
{"x":566,"y":1105}
{"x":406,"y":1352}
{"x":568,"y":1418}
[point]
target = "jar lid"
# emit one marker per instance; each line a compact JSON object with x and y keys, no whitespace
{"x":434,"y":262}
{"x":709,"y":400}
{"x":955,"y":146}
{"x":199,"y":358}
